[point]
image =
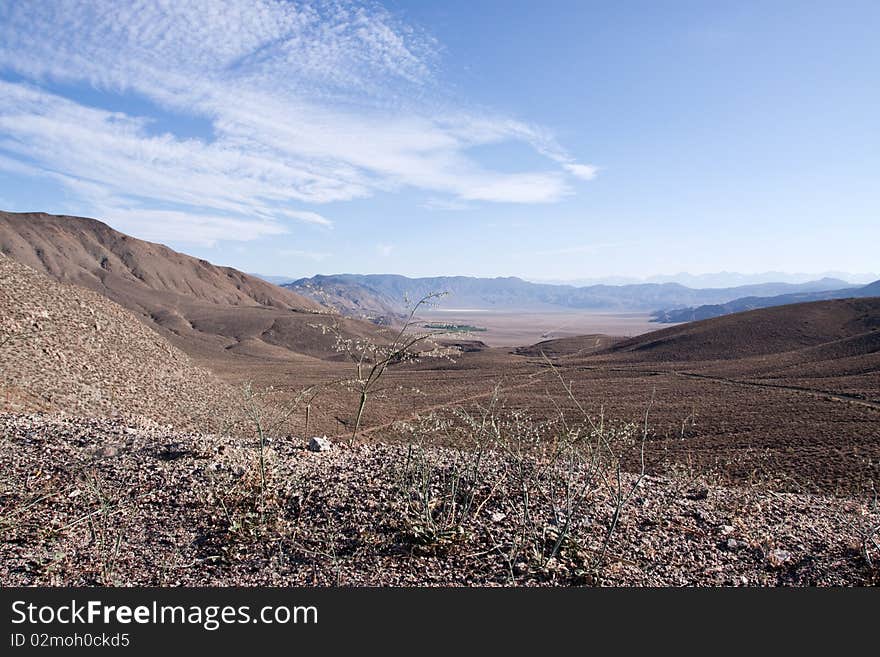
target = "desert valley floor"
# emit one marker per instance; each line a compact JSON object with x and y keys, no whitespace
{"x":133,"y":378}
{"x":805,"y":420}
{"x":515,"y":329}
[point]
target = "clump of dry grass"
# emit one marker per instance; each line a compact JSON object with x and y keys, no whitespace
{"x":541,"y":483}
{"x":864,"y":522}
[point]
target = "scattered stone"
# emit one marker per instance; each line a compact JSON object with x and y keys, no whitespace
{"x":106,"y":452}
{"x":56,"y":362}
{"x":182,"y":512}
{"x":697,"y":494}
{"x":319,"y":444}
{"x":779,"y":558}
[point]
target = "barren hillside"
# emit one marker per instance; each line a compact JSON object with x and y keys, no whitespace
{"x":758,"y":332}
{"x":131,"y":271}
{"x":578,"y":345}
{"x":65,"y":348}
{"x":210,"y":312}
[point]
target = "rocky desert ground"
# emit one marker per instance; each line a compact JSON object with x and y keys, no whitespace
{"x":113,"y":502}
{"x":68,"y":349}
{"x":156,"y":416}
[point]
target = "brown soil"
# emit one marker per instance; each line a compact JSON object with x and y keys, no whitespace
{"x":65,"y":348}
{"x":793,"y":420}
{"x":90,"y":502}
{"x":575,"y":346}
{"x":767,"y":331}
{"x":203,"y":309}
{"x":776,"y":411}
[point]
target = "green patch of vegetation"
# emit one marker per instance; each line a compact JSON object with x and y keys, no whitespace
{"x":454,"y":328}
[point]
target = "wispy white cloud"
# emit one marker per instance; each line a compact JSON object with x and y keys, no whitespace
{"x":308,"y":104}
{"x":582,"y":171}
{"x":308,"y":217}
{"x":384,"y":249}
{"x":191,"y":226}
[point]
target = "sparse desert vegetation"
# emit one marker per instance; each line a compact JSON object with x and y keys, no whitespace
{"x":742,"y":450}
{"x":547,"y":297}
{"x":108,"y":502}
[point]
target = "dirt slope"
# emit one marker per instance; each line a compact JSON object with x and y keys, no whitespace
{"x":206,"y":310}
{"x":759,"y":332}
{"x":580,"y":345}
{"x":90,"y":253}
{"x":65,"y":348}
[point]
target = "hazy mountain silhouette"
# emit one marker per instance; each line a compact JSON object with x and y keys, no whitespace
{"x":753,"y":302}
{"x":379,"y":295}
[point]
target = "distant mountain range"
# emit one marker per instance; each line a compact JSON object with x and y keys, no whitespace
{"x":379,"y":296}
{"x":753,"y":302}
{"x":722,"y":279}
{"x":195,"y":303}
{"x":275,"y":280}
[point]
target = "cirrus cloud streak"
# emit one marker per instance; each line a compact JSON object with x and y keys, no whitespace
{"x":308,"y":104}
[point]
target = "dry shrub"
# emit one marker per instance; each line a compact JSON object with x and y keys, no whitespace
{"x":537,"y":491}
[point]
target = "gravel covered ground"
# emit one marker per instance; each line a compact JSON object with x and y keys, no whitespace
{"x":66,"y":348}
{"x":91,"y":502}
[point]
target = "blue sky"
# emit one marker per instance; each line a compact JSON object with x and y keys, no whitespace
{"x":549,"y":140}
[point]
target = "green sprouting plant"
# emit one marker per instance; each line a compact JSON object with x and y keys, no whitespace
{"x":442,"y":497}
{"x":106,"y":540}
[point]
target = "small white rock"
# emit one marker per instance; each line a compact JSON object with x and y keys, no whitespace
{"x":319,"y":444}
{"x":779,"y":558}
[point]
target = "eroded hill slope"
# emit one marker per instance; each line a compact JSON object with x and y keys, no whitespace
{"x":758,"y":332}
{"x":65,"y":348}
{"x":210,"y":312}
